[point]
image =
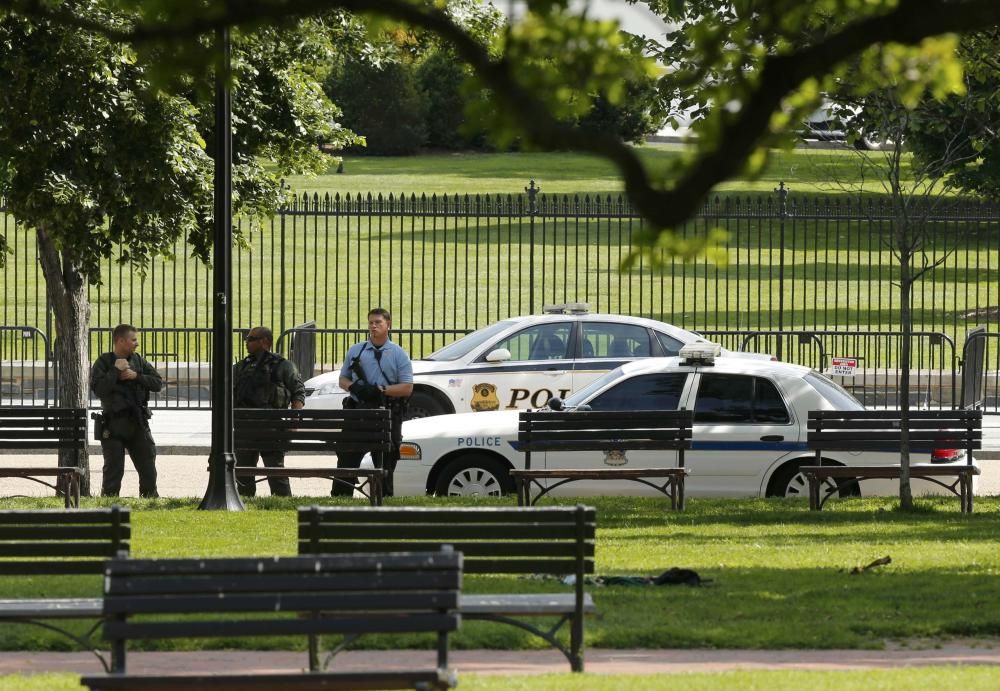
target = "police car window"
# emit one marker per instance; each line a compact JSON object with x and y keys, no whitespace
{"x":466,"y":344}
{"x":594,"y":386}
{"x":833,"y":392}
{"x":671,"y":345}
{"x":538,"y":342}
{"x":768,"y":405}
{"x":614,"y":341}
{"x":726,"y":398}
{"x":646,"y":392}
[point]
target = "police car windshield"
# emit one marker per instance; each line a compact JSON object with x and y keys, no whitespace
{"x":466,"y":344}
{"x":593,"y":387}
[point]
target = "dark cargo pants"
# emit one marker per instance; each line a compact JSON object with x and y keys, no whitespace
{"x":128,"y":434}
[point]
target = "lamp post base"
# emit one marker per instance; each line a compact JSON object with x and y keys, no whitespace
{"x":222,"y":494}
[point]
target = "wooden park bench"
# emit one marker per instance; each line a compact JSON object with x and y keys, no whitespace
{"x":156,"y":599}
{"x":881,"y":431}
{"x":505,"y":541}
{"x":32,"y":429}
{"x":608,"y":431}
{"x":59,"y":543}
{"x":314,"y":432}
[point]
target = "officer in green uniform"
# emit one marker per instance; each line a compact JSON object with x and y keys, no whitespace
{"x":265,"y":380}
{"x":122,"y":379}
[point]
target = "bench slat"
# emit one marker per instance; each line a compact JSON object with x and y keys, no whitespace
{"x":69,"y":608}
{"x":891,"y":413}
{"x":484,"y":531}
{"x":410,"y":622}
{"x":283,"y":600}
{"x":392,"y":679}
{"x":602,"y":473}
{"x":61,"y":532}
{"x":54,"y":517}
{"x":618,"y":416}
{"x":58,"y":549}
{"x":317,"y":545}
{"x":409,"y":579}
{"x":334,"y":516}
{"x":523,"y":604}
{"x":890,"y":471}
{"x":863,"y":435}
{"x":54,"y":566}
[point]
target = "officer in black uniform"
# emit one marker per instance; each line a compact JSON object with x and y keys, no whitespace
{"x":265,"y":380}
{"x":122,"y":379}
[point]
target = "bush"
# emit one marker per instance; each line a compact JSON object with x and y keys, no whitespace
{"x":440,"y":78}
{"x":632,"y":121}
{"x":382,"y":104}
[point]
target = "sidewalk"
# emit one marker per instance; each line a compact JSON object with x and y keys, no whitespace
{"x":517,"y":662}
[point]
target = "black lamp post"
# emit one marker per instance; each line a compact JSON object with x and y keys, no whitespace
{"x":221,"y":492}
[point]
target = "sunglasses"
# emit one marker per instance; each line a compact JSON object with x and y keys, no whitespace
{"x":248,"y":339}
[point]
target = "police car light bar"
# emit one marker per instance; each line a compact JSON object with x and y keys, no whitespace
{"x":568,"y":308}
{"x":701,"y":352}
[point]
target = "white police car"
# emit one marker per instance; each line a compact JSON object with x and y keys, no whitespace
{"x":750,"y":428}
{"x":521,"y":362}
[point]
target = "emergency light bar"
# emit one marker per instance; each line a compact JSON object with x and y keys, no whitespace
{"x":568,"y":308}
{"x":700,"y":353}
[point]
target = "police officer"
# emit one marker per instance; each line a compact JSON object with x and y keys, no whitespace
{"x":122,"y":379}
{"x":376,"y":372}
{"x":265,"y":380}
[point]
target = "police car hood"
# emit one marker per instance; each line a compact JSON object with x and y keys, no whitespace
{"x":500,"y":422}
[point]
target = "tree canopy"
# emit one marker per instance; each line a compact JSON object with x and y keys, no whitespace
{"x":761,"y":63}
{"x":94,"y":152}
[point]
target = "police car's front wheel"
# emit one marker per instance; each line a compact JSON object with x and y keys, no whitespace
{"x":475,"y":475}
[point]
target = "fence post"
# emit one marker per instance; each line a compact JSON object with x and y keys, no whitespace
{"x":532,"y":191}
{"x":782,"y":215}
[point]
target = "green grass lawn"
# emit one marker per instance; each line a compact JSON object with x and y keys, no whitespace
{"x":780,"y":575}
{"x":806,"y":171}
{"x":973,"y":678}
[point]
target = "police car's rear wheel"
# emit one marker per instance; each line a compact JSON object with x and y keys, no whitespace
{"x":789,"y":481}
{"x":423,"y":405}
{"x":474,"y":476}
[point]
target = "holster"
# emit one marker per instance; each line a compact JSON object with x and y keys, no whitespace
{"x":100,"y":430}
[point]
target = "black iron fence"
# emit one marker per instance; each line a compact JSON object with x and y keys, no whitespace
{"x":445,"y":265}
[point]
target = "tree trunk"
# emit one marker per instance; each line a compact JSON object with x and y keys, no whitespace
{"x":66,"y":288}
{"x":906,"y":321}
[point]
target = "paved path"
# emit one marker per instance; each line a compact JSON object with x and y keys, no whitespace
{"x":511,"y":662}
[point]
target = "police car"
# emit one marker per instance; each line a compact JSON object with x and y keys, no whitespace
{"x":521,"y":362}
{"x":750,"y":428}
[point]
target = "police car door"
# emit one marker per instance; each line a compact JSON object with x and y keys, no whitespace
{"x":658,"y":391}
{"x":540,"y":366}
{"x":742,"y":425}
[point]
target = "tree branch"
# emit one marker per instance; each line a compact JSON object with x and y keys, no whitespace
{"x":910,"y":22}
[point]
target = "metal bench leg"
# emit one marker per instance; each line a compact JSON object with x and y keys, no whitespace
{"x":813,"y":493}
{"x":76,"y":490}
{"x":313,"y":652}
{"x":680,"y":492}
{"x":521,"y":487}
{"x":576,"y":642}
